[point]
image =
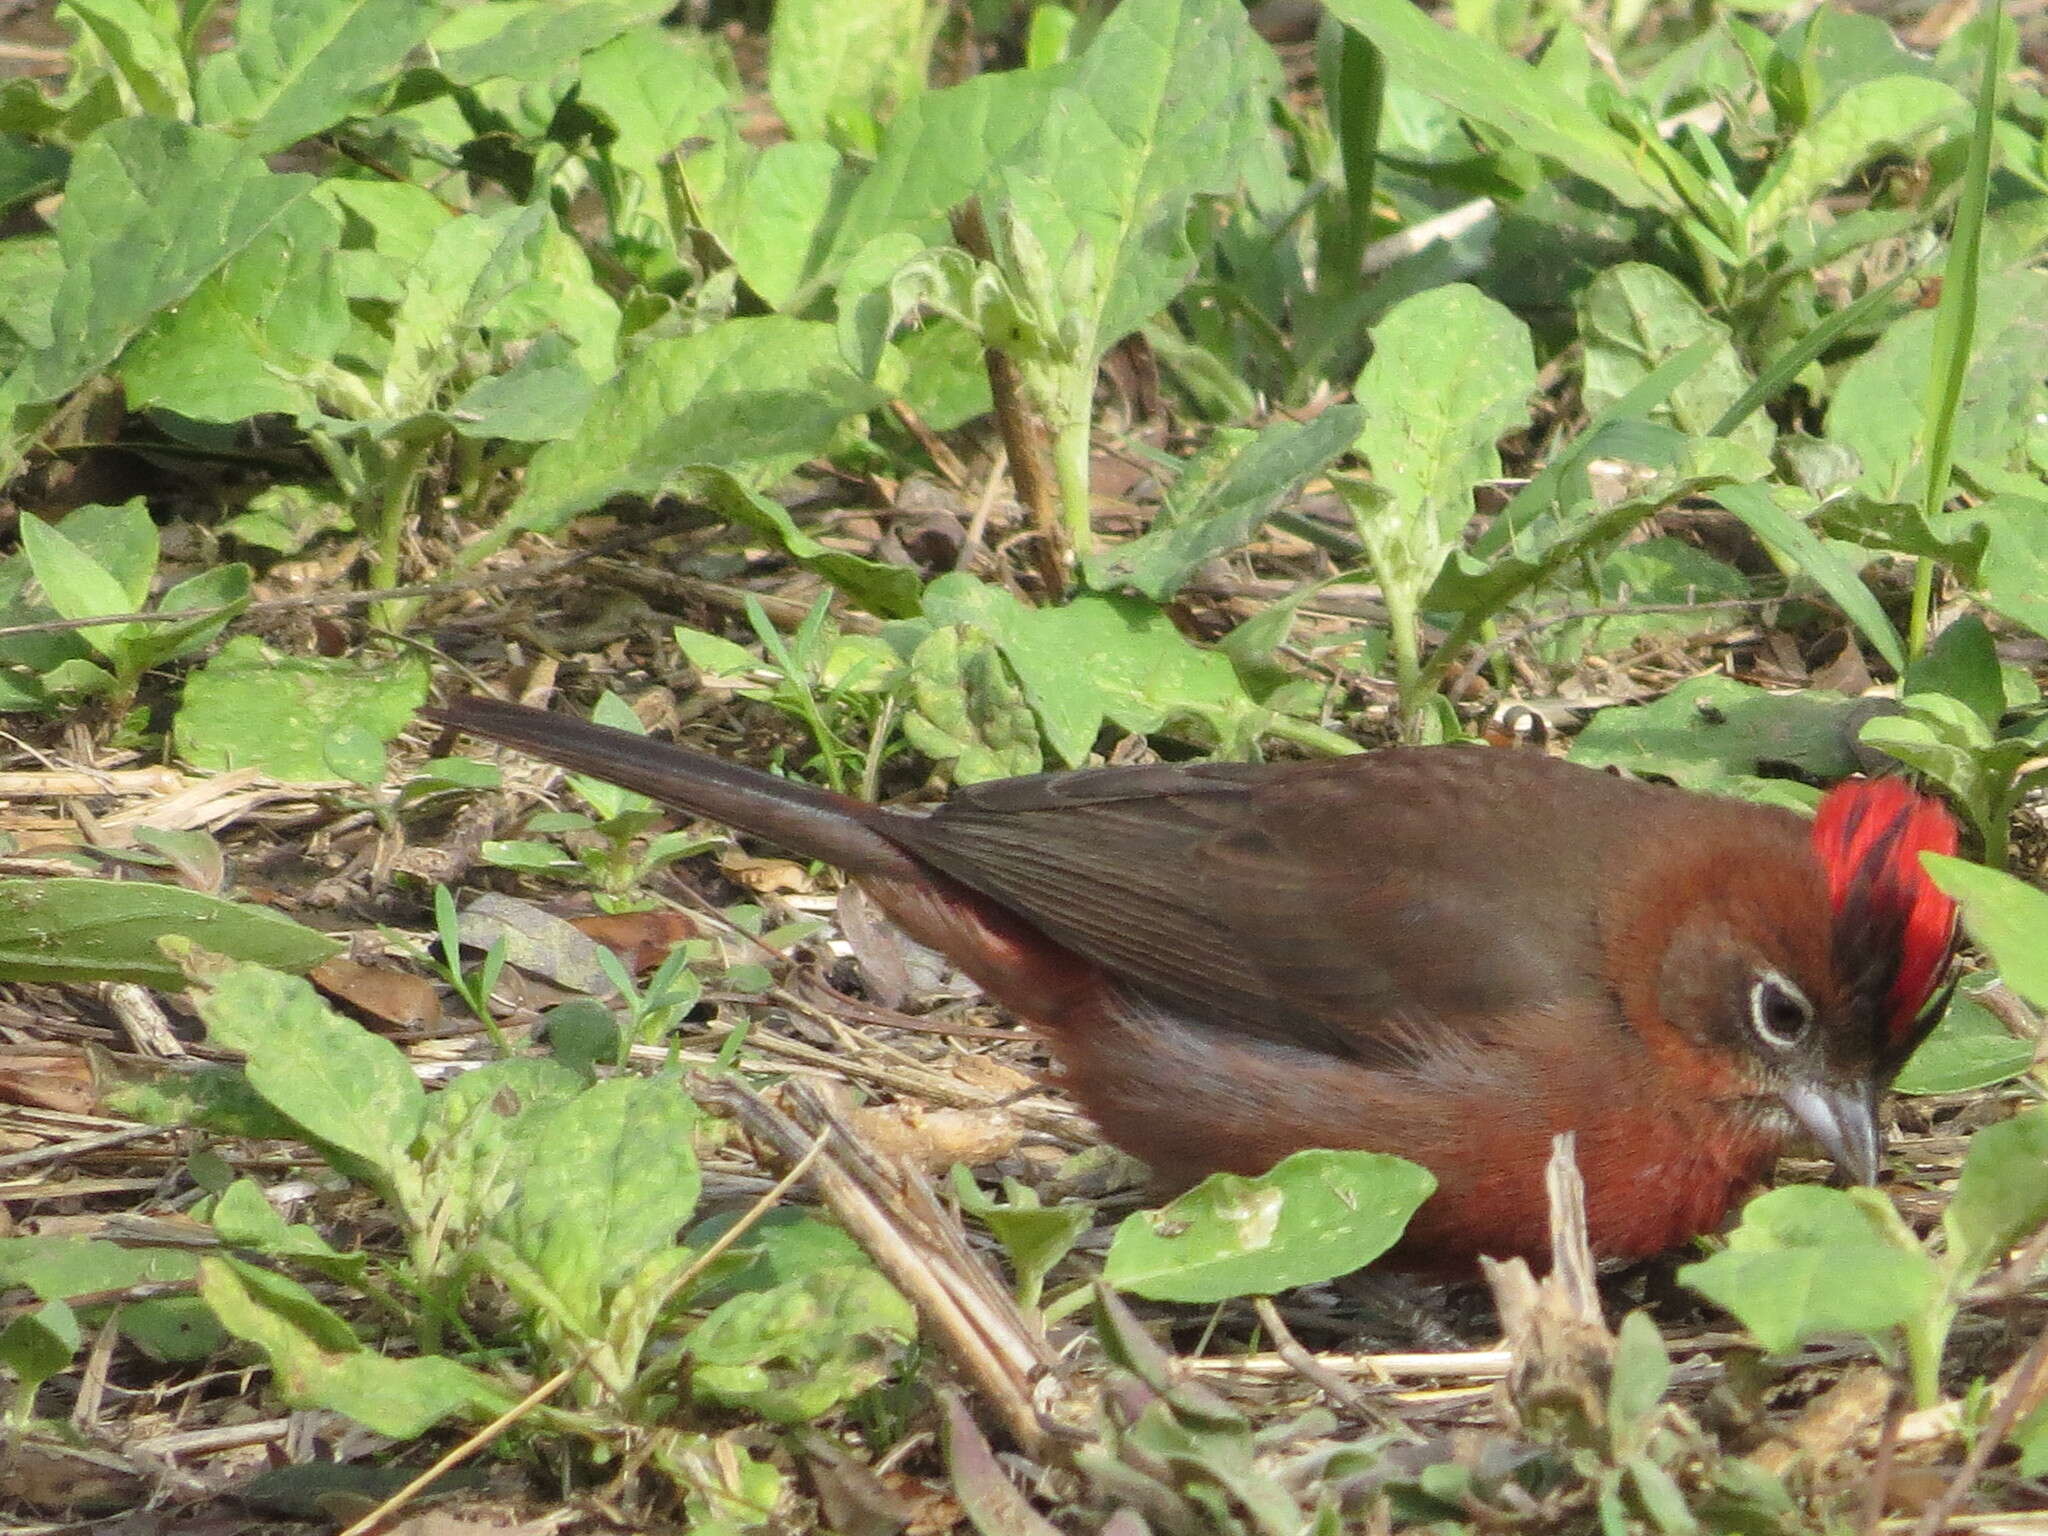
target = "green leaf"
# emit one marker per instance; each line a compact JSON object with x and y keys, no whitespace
{"x":892,"y":591}
{"x":344,"y":1087}
{"x":1878,"y":408}
{"x":1101,"y":658}
{"x":746,"y":391}
{"x":78,"y":586}
{"x":844,"y":63}
{"x":967,"y":709}
{"x":35,"y":1346}
{"x":799,"y":1350}
{"x":303,"y":719}
{"x":1515,"y":101}
{"x":1833,"y":574}
{"x":245,"y":341}
{"x":141,"y":42}
{"x":532,"y":40}
{"x":2001,"y":1197}
{"x":1633,"y":318}
{"x":316,"y":1361}
{"x":1642,"y":1375}
{"x":298,"y":66}
{"x":469,"y":267}
{"x":1968,"y":1049}
{"x":605,"y":1181}
{"x":2005,"y":918}
{"x":1315,"y":1216}
{"x":152,"y":208}
{"x":1035,"y":1236}
{"x":1208,"y":513}
{"x":1714,"y":734}
{"x":58,"y":1268}
{"x":1807,"y":1261}
{"x":1099,"y":156}
{"x":1866,"y":120}
{"x":1963,"y":664}
{"x":80,"y":930}
{"x":1451,"y":374}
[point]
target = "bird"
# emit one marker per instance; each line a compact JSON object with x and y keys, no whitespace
{"x":1447,"y":953}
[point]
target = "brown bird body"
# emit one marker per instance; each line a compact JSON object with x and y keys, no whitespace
{"x":1447,"y":954}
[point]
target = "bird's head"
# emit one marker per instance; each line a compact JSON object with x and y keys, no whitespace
{"x":1809,"y":1022}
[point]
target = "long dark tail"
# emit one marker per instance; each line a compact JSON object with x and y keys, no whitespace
{"x":813,"y":823}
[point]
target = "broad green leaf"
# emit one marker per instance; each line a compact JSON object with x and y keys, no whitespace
{"x":298,"y":66}
{"x":799,"y":1350}
{"x":1868,"y":119}
{"x":35,"y":1346}
{"x":2012,"y":574}
{"x":1808,"y":1261}
{"x":1968,"y":1049}
{"x":1102,"y":658}
{"x":31,"y":267}
{"x":656,"y":86}
{"x":141,"y":41}
{"x":471,"y":264}
{"x":1101,"y":154}
{"x":2001,"y":1198}
{"x":892,"y":591}
{"x":77,"y":585}
{"x":303,"y":719}
{"x":1963,"y":664}
{"x":1635,"y":317}
{"x":344,"y":1087}
{"x":2005,"y":917}
{"x":1315,"y":1216}
{"x":837,"y":66}
{"x":57,"y":1268}
{"x":1715,"y":734}
{"x":539,"y":398}
{"x":242,"y":344}
{"x":531,"y":40}
{"x":605,"y":1181}
{"x":79,"y":930}
{"x":967,"y":709}
{"x":1877,"y":408}
{"x":1227,"y":506}
{"x":152,"y":207}
{"x":770,"y":209}
{"x":316,"y":1361}
{"x":1523,"y":110}
{"x":746,"y":391}
{"x":1451,"y":373}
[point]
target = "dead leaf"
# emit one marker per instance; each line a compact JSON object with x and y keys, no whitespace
{"x":394,"y":998}
{"x":934,"y":1139}
{"x":641,"y":939}
{"x":55,"y":1077}
{"x":764,"y":876}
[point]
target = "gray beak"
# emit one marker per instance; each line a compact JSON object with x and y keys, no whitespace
{"x":1844,"y":1122}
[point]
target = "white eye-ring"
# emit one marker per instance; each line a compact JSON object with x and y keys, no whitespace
{"x":1778,"y":1010}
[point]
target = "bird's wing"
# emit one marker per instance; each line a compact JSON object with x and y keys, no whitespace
{"x":1359,"y":908}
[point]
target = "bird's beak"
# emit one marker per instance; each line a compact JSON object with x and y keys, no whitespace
{"x":1844,"y":1122}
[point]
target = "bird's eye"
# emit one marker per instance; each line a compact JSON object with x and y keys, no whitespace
{"x":1778,"y":1011}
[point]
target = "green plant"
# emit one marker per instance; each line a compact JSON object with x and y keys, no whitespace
{"x":607,"y":851}
{"x":1806,"y":1261}
{"x":99,"y":563}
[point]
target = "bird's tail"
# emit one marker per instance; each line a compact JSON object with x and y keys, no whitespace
{"x":813,"y":823}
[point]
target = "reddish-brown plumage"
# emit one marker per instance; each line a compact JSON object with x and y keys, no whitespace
{"x":1442,"y":953}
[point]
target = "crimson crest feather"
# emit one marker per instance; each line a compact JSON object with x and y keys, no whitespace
{"x":1894,"y":928}
{"x":1444,"y":953}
